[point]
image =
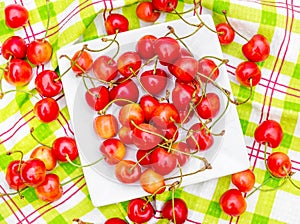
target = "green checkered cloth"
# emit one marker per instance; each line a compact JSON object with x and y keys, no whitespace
{"x":276,"y":97}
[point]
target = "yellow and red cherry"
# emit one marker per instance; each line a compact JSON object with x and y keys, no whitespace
{"x":148,"y":104}
{"x":129,"y":113}
{"x":64,"y":147}
{"x":164,"y":114}
{"x":162,"y":161}
{"x":18,"y":72}
{"x":13,"y":177}
{"x":45,"y":154}
{"x":146,"y":12}
{"x":208,"y":68}
{"x":185,"y":69}
{"x":279,"y":164}
{"x":127,"y":171}
{"x":46,"y":110}
{"x":139,"y":210}
{"x":129,"y":63}
{"x":97,"y":97}
{"x":125,"y":135}
{"x":244,"y":180}
{"x":106,"y":126}
{"x":105,"y":68}
{"x":115,"y":220}
{"x":50,"y":190}
{"x":48,"y":83}
{"x":152,"y":182}
{"x":257,"y":49}
{"x":167,"y":49}
{"x":209,"y":106}
{"x":233,"y":203}
{"x":175,"y":210}
{"x":248,"y":73}
{"x":39,"y":51}
{"x":145,"y":46}
{"x":113,"y":150}
{"x":116,"y":22}
{"x":199,"y":138}
{"x":165,"y":5}
{"x":154,"y":81}
{"x":33,"y":172}
{"x":16,"y":16}
{"x":225,"y":33}
{"x":14,"y":47}
{"x":81,"y":62}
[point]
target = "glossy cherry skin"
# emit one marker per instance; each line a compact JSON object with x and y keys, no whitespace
{"x":15,"y":47}
{"x":208,"y":68}
{"x":145,"y":46}
{"x":145,"y":11}
{"x":185,"y":69}
{"x":143,"y":157}
{"x":162,"y":161}
{"x":33,"y":172}
{"x":171,"y":132}
{"x":125,"y":135}
{"x":129,"y":63}
{"x":39,"y":52}
{"x":106,"y":126}
{"x":113,"y":150}
{"x":143,"y":138}
{"x":48,"y":83}
{"x":154,"y":81}
{"x":97,"y":97}
{"x":115,"y":221}
{"x":164,"y":114}
{"x":84,"y":62}
{"x":269,"y":132}
{"x":152,"y":182}
{"x":116,"y":22}
{"x":139,"y":211}
{"x":180,"y":210}
{"x":209,"y":106}
{"x":167,"y":50}
{"x":233,"y":203}
{"x":63,"y":146}
{"x":182,"y":95}
{"x":201,"y":140}
{"x":244,"y":180}
{"x":246,"y":71}
{"x":15,"y":16}
{"x":18,"y":72}
{"x":46,"y":110}
{"x":50,"y":190}
{"x":127,"y":171}
{"x":45,"y":154}
{"x":225,"y":33}
{"x":105,"y":68}
{"x":165,"y":5}
{"x":279,"y":164}
{"x":182,"y":152}
{"x":13,"y":177}
{"x":257,"y":49}
{"x":129,"y":113}
{"x":148,"y":104}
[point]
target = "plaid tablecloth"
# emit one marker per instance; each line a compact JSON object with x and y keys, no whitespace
{"x":276,"y":97}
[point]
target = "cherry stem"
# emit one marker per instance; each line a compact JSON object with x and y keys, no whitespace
{"x":21,"y":157}
{"x":82,"y":166}
{"x":14,"y":193}
{"x":172,"y":31}
{"x":274,"y":188}
{"x":35,"y":138}
{"x":16,"y":91}
{"x":48,"y":19}
{"x":207,"y":27}
{"x":292,"y":182}
{"x":249,"y":97}
{"x":80,"y":221}
{"x":103,"y":111}
{"x":226,"y":18}
{"x":221,"y":115}
{"x":74,"y":178}
{"x":257,"y":188}
{"x":224,"y":61}
{"x":183,"y":19}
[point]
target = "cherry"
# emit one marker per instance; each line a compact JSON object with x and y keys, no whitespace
{"x":15,"y":16}
{"x":182,"y":152}
{"x":18,"y":72}
{"x":269,"y":132}
{"x":185,"y":68}
{"x":129,"y":63}
{"x":33,"y":172}
{"x":131,"y":112}
{"x":243,"y":180}
{"x":225,"y":33}
{"x":15,"y":47}
{"x":162,"y":161}
{"x":182,"y":95}
{"x":39,"y":51}
{"x":64,"y":147}
{"x":113,"y":150}
{"x":248,"y":73}
{"x":164,"y":114}
{"x":209,"y":106}
{"x":199,"y":138}
{"x":125,"y":135}
{"x":279,"y":164}
{"x":116,"y":22}
{"x":233,"y":203}
{"x":257,"y":49}
{"x":139,"y":210}
{"x":13,"y":177}
{"x":50,"y":190}
{"x":48,"y":83}
{"x":175,"y":210}
{"x":148,"y":104}
{"x":165,"y":5}
{"x":185,"y":115}
{"x":97,"y":97}
{"x":167,"y":49}
{"x":81,"y":62}
{"x":127,"y":171}
{"x":152,"y":182}
{"x":106,"y":126}
{"x":208,"y":68}
{"x":146,"y":12}
{"x":45,"y":154}
{"x":154,"y":81}
{"x":47,"y":110}
{"x":115,"y":220}
{"x":144,"y":157}
{"x":105,"y":68}
{"x":145,"y":46}
{"x":171,"y":132}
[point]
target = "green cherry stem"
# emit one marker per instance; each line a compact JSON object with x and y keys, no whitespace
{"x":14,"y":193}
{"x":72,"y":179}
{"x":103,"y":111}
{"x":48,"y":19}
{"x":172,"y":31}
{"x":83,"y":166}
{"x":35,"y":138}
{"x":221,"y":115}
{"x":21,"y":157}
{"x":258,"y":188}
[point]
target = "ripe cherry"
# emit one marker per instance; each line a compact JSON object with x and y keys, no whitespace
{"x":115,"y":221}
{"x":148,"y":104}
{"x":45,"y":154}
{"x":165,"y":5}
{"x":116,"y":22}
{"x":113,"y":150}
{"x":146,"y":12}
{"x":164,"y":114}
{"x":154,"y":81}
{"x":125,"y":135}
{"x":97,"y":97}
{"x":15,"y":47}
{"x":257,"y":49}
{"x":233,"y":203}
{"x":225,"y":33}
{"x":106,"y":126}
{"x":243,"y":180}
{"x":209,"y":106}
{"x":279,"y":164}
{"x":248,"y":73}
{"x":152,"y":182}
{"x":182,"y":95}
{"x":63,"y":147}
{"x":144,"y":157}
{"x":13,"y":177}
{"x":15,"y":16}
{"x":18,"y":72}
{"x":269,"y":132}
{"x":171,"y":132}
{"x":33,"y":172}
{"x":167,"y":50}
{"x":131,"y":112}
{"x":129,"y":63}
{"x":127,"y":171}
{"x":105,"y":68}
{"x":175,"y":210}
{"x":81,"y":62}
{"x":182,"y":152}
{"x":139,"y":210}
{"x":46,"y":110}
{"x":48,"y":83}
{"x":185,"y":68}
{"x":50,"y":190}
{"x":200,"y":138}
{"x":39,"y":51}
{"x":145,"y":46}
{"x":208,"y":68}
{"x":162,"y":161}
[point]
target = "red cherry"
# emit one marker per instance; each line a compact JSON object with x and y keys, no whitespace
{"x":33,"y":172}
{"x":171,"y":132}
{"x":97,"y":97}
{"x":105,"y":68}
{"x":225,"y":33}
{"x":257,"y":49}
{"x":131,"y":112}
{"x":13,"y":177}
{"x":279,"y":164}
{"x":48,"y":83}
{"x":208,"y":68}
{"x":116,"y":22}
{"x":144,"y":138}
{"x":146,"y":12}
{"x":233,"y":203}
{"x":139,"y":211}
{"x":50,"y":190}
{"x":152,"y":182}
{"x":14,"y":46}
{"x":176,"y":211}
{"x":154,"y":81}
{"x":162,"y":161}
{"x":148,"y":104}
{"x":243,"y":180}
{"x":106,"y":126}
{"x":15,"y":16}
{"x":200,"y":138}
{"x":165,"y":5}
{"x":115,"y":221}
{"x":164,"y":114}
{"x":45,"y":154}
{"x":182,"y":152}
{"x":269,"y":132}
{"x":83,"y":59}
{"x":185,"y":115}
{"x":209,"y":106}
{"x":46,"y":110}
{"x":39,"y":51}
{"x":113,"y":150}
{"x":144,"y":157}
{"x":167,"y":50}
{"x":64,"y":146}
{"x":185,"y":69}
{"x":182,"y":95}
{"x":127,"y":171}
{"x":246,"y":71}
{"x":145,"y":46}
{"x":18,"y":72}
{"x":129,"y":63}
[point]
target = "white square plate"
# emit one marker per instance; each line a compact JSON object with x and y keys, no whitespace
{"x":227,"y":156}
